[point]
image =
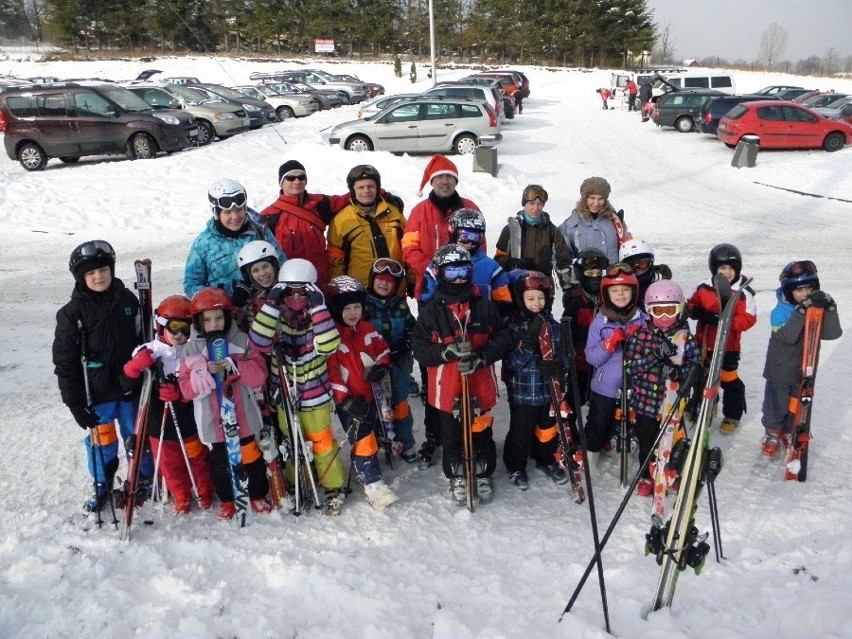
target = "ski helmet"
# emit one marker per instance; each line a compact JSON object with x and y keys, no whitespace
{"x":798,"y":274}
{"x":468,"y":226}
{"x":664,"y":302}
{"x":639,"y":254}
{"x":210,"y":299}
{"x":175,"y":308}
{"x":362,"y":172}
{"x":226,"y":194}
{"x":619,"y":274}
{"x":342,"y":291}
{"x":725,"y":254}
{"x":297,"y":272}
{"x":521,"y":280}
{"x":89,"y":256}
{"x":590,"y":260}
{"x":388,"y":268}
{"x":256,"y":251}
{"x":451,"y":255}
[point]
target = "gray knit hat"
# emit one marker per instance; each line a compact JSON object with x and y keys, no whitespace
{"x":595,"y":186}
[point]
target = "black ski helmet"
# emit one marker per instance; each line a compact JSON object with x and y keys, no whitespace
{"x":725,"y":254}
{"x":451,"y":255}
{"x":342,"y":291}
{"x":588,"y":260}
{"x":521,"y":280}
{"x":362,"y":172}
{"x":89,"y":256}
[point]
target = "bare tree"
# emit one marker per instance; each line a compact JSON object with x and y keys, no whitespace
{"x":831,"y":63}
{"x":664,"y":51}
{"x":773,"y":42}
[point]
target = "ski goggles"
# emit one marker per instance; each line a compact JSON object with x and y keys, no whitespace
{"x":619,"y":268}
{"x":96,"y":248}
{"x":796,"y":269}
{"x":464,"y":236}
{"x":641,"y":265}
{"x":456,"y":272}
{"x":592,"y":263}
{"x":292,"y":177}
{"x":364,"y":172}
{"x":664,"y":310}
{"x":230,"y":201}
{"x":535,"y":281}
{"x":176,"y":327}
{"x":534,"y":192}
{"x":387,"y":265}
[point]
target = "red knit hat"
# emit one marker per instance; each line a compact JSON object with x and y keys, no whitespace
{"x":438,"y":165}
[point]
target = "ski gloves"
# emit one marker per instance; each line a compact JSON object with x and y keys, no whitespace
{"x":455,"y":350}
{"x":142,"y":360}
{"x":85,"y":416}
{"x":169,"y":391}
{"x":356,"y":407}
{"x":375,"y":374}
{"x":663,"y":347}
{"x":532,"y":337}
{"x":469,"y":362}
{"x":708,"y":318}
{"x":818,"y":299}
{"x":199,"y":377}
{"x":618,"y":335}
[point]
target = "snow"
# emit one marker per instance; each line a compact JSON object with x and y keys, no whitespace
{"x":425,"y":568}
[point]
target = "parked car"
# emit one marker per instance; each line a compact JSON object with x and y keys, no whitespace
{"x":69,"y":120}
{"x":171,"y":106}
{"x":823,"y":98}
{"x":487,"y":94}
{"x":260,"y":112}
{"x":286,"y":106}
{"x":713,"y":110}
{"x":681,"y":109}
{"x":355,"y":91}
{"x":789,"y":94}
{"x":373,"y":88}
{"x":774,"y":89}
{"x":7,"y":82}
{"x":839,"y":110}
{"x":212,"y":118}
{"x":183,"y":79}
{"x":780,"y":124}
{"x":690,"y":80}
{"x":373,"y":107}
{"x":507,"y":81}
{"x":430,"y":124}
{"x":520,"y":79}
{"x":325,"y":100}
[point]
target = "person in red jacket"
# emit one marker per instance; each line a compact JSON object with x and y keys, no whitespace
{"x":704,"y":307}
{"x":630,"y":90}
{"x":604,"y":93}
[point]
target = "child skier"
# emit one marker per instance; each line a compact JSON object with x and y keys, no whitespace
{"x":704,"y":307}
{"x":259,"y":264}
{"x":661,"y":349}
{"x":532,"y":431}
{"x":182,"y":458}
{"x":618,"y":319}
{"x":639,"y":255}
{"x":461,"y":333}
{"x":783,"y":370}
{"x":351,"y":381}
{"x":212,"y":315}
{"x":296,"y":322}
{"x":390,"y":315}
{"x":100,"y":324}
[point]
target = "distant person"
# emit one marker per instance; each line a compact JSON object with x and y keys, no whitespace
{"x":604,"y":93}
{"x":630,"y":90}
{"x":645,"y":94}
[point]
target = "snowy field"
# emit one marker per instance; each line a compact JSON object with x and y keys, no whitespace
{"x":424,"y":568}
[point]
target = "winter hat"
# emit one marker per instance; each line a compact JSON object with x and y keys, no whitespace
{"x":595,"y":186}
{"x":288,"y":166}
{"x":438,"y":165}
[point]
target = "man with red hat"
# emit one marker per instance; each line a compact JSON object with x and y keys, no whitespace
{"x":426,"y":231}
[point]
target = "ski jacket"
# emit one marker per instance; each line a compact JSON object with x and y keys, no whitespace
{"x":606,"y":377}
{"x":304,"y":345}
{"x":488,"y":277}
{"x":630,"y":88}
{"x":581,"y":309}
{"x":299,"y":224}
{"x":606,"y":232}
{"x":525,"y":384}
{"x":393,"y":319}
{"x":425,"y":231}
{"x":645,"y":370}
{"x":356,"y":239}
{"x":784,"y":352}
{"x":212,"y":258}
{"x":745,"y":312}
{"x":112,"y":327}
{"x":539,"y":247}
{"x":252,"y":374}
{"x":645,"y":91}
{"x":448,"y":318}
{"x":345,"y":367}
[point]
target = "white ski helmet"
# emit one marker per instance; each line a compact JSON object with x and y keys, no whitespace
{"x":297,"y":272}
{"x":256,"y":251}
{"x":226,"y":194}
{"x":634,"y":247}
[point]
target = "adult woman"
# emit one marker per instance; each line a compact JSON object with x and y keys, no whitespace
{"x":594,"y":222}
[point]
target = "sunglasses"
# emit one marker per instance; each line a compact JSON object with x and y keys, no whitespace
{"x":619,"y":268}
{"x":664,"y":310}
{"x":534,"y":192}
{"x":292,"y":178}
{"x":469,"y":237}
{"x":178,"y":326}
{"x":462,"y":271}
{"x":799,"y":268}
{"x":389,"y":266}
{"x":226,"y":202}
{"x":641,"y":265}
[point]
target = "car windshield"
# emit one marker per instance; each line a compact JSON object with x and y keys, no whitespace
{"x":190,"y":95}
{"x":324,"y":75}
{"x":125,"y":99}
{"x":264,"y":90}
{"x":227,"y":93}
{"x":839,"y":102}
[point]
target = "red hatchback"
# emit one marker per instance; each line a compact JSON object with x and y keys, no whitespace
{"x":780,"y":124}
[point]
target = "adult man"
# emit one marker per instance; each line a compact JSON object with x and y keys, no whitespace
{"x":645,"y":92}
{"x":630,"y":89}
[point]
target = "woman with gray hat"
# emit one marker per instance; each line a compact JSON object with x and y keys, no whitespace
{"x":594,"y":223}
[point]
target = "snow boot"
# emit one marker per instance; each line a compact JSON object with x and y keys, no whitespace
{"x":519,"y":479}
{"x":485,"y":489}
{"x":183,"y":504}
{"x":380,"y":495}
{"x":771,"y":443}
{"x":96,"y":498}
{"x":409,"y":455}
{"x":556,"y":474}
{"x":729,"y":425}
{"x":645,"y":488}
{"x":333,"y":501}
{"x":260,"y":506}
{"x":458,"y":492}
{"x":227,"y":510}
{"x":205,"y":501}
{"x":426,"y":455}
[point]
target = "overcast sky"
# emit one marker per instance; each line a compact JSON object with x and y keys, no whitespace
{"x":731,"y":29}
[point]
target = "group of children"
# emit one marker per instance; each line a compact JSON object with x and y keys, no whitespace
{"x":339,"y":348}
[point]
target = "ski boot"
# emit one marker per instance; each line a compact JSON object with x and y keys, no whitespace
{"x":426,"y":454}
{"x":771,"y":443}
{"x":519,"y":479}
{"x":484,"y":490}
{"x":333,"y":502}
{"x":458,"y":492}
{"x":728,"y":425}
{"x":96,"y":498}
{"x":556,"y":474}
{"x":380,"y":495}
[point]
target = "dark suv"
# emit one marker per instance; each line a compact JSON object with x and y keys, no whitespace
{"x":715,"y":109}
{"x":681,"y":109}
{"x":69,"y":120}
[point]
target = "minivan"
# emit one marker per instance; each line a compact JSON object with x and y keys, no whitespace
{"x":69,"y":120}
{"x":722,"y":82}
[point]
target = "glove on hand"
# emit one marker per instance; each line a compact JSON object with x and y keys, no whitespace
{"x":471,"y":363}
{"x":455,"y":350}
{"x":400,"y":351}
{"x":242,"y":294}
{"x":631,"y":329}
{"x":818,"y":299}
{"x":85,"y":417}
{"x":356,"y":407}
{"x":275,"y":298}
{"x":704,"y":316}
{"x":143,"y":359}
{"x":396,"y":201}
{"x":533,"y":335}
{"x":169,"y":392}
{"x":199,"y":377}
{"x":670,"y":371}
{"x":613,"y":340}
{"x":315,"y":297}
{"x":376,"y":374}
{"x":663,"y":348}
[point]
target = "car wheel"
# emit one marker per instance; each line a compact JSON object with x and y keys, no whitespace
{"x":465,"y":144}
{"x":320,"y":105}
{"x":346,"y":99}
{"x":730,"y":146}
{"x":284,"y":112}
{"x":31,"y":157}
{"x":141,"y":147}
{"x":834,"y":141}
{"x":206,"y":133}
{"x":70,"y":159}
{"x":359,"y":143}
{"x":685,"y":124}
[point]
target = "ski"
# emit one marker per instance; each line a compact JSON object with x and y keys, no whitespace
{"x":381,"y":392}
{"x":796,"y":467}
{"x":217,"y":350}
{"x":468,"y":461}
{"x":277,"y":488}
{"x":622,"y":416}
{"x":678,"y":544}
{"x":129,"y":495}
{"x":568,"y":455}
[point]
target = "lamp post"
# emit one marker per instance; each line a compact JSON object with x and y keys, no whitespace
{"x":432,"y":43}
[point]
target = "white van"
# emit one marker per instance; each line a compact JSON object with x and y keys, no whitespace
{"x":694,"y":80}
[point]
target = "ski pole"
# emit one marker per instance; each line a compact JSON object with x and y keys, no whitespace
{"x":155,"y":494}
{"x":183,"y":449}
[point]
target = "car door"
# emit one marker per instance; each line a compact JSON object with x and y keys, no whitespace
{"x":52,"y":127}
{"x":99,"y":128}
{"x":803,"y":129}
{"x":771,"y":127}
{"x":397,"y":130}
{"x":438,"y":122}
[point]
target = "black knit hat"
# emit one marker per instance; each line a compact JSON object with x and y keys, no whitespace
{"x":290,"y":165}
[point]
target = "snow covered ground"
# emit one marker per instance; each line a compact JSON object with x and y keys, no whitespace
{"x":425,"y":568}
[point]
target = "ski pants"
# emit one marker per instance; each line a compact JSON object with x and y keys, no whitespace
{"x":102,"y":442}
{"x":600,"y":424}
{"x":220,"y":469}
{"x":733,"y":389}
{"x":631,"y":102}
{"x":776,"y":406}
{"x":532,"y":433}
{"x":484,"y":449}
{"x":646,"y":430}
{"x":403,"y":422}
{"x":365,"y":446}
{"x":316,"y":426}
{"x":176,"y":468}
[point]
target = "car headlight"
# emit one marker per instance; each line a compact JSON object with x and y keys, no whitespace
{"x":168,"y":119}
{"x":224,"y":116}
{"x":251,"y":107}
